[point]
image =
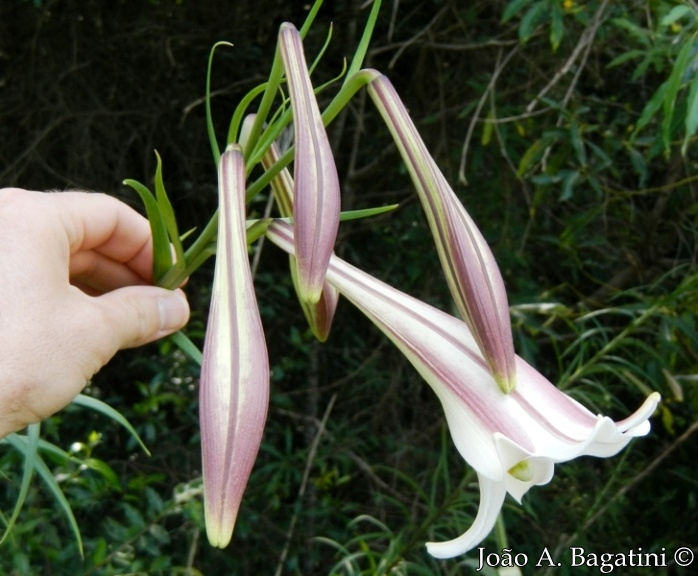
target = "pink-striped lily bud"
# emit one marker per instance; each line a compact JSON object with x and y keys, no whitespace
{"x":316,"y":199}
{"x":234,"y":390}
{"x":472,"y":274}
{"x":320,"y":314}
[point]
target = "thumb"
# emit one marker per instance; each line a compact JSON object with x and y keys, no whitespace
{"x":136,"y":315}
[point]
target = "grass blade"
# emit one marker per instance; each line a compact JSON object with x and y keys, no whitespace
{"x":109,"y":412}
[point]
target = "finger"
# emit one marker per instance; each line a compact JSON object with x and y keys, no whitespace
{"x":136,"y":315}
{"x":102,"y":224}
{"x":94,"y":273}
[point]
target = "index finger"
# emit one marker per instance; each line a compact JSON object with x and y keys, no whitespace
{"x":108,"y":228}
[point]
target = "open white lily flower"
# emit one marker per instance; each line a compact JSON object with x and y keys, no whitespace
{"x":512,"y":440}
{"x":234,"y":389}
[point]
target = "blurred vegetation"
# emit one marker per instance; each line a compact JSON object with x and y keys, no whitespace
{"x":568,"y":130}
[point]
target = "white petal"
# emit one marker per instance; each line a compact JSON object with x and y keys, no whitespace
{"x":637,"y":424}
{"x":491,"y":499}
{"x":540,"y":469}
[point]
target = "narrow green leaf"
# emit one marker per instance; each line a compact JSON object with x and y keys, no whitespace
{"x":328,"y":39}
{"x":578,"y":143}
{"x":58,"y":495}
{"x":167,"y":213}
{"x":557,"y":26}
{"x":691,"y":114}
{"x":534,"y":153}
{"x":629,"y":55}
{"x":343,"y":217}
{"x":366,"y":212}
{"x":513,"y":9}
{"x":676,"y":13}
{"x":568,"y":182}
{"x":109,"y":412}
{"x":488,"y":129}
{"x":240,"y":111}
{"x":639,"y":33}
{"x":187,"y":346}
{"x":310,"y":18}
{"x":673,"y":87}
{"x":651,"y":108}
{"x":358,"y":59}
{"x":105,"y":470}
{"x":25,"y":445}
{"x":270,"y":90}
{"x":531,"y":19}
{"x":162,"y":255}
{"x":639,"y":164}
{"x":29,"y":449}
{"x":209,"y":116}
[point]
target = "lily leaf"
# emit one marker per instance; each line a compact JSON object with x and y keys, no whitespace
{"x":109,"y":412}
{"x":168,"y":214}
{"x":187,"y":346}
{"x":162,"y":255}
{"x":29,"y":449}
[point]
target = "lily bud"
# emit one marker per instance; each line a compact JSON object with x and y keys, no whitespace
{"x":472,"y":274}
{"x":234,"y":389}
{"x":316,"y":203}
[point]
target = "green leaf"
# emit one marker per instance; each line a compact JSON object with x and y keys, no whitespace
{"x":676,"y":13}
{"x":209,"y":116}
{"x":578,"y":144}
{"x":310,"y":18}
{"x":109,"y":412}
{"x":513,"y":9}
{"x":691,"y":114}
{"x":534,"y":152}
{"x":162,"y":255}
{"x":639,"y":165}
{"x":629,"y":55}
{"x":270,"y":89}
{"x":651,"y":108}
{"x":532,"y":18}
{"x":30,"y":457}
{"x":187,"y":346}
{"x":28,"y":446}
{"x":487,"y":129}
{"x":366,"y":212}
{"x":569,"y":179}
{"x":358,"y":59}
{"x":239,"y":114}
{"x":105,"y":470}
{"x":673,"y":87}
{"x":557,"y":26}
{"x":167,"y":213}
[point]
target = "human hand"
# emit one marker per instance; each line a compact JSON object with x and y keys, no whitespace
{"x":75,"y":287}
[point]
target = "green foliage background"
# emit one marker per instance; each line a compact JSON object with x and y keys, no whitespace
{"x":546,"y":117}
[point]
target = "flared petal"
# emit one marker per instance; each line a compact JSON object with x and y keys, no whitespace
{"x":316,"y":202}
{"x":492,"y":494}
{"x":472,"y":274}
{"x":234,"y":389}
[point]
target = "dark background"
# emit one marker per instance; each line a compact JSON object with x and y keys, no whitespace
{"x":599,"y":223}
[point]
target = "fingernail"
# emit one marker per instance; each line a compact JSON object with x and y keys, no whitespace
{"x":174,"y":311}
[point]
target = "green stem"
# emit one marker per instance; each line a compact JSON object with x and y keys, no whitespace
{"x":194,"y":257}
{"x":265,"y":105}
